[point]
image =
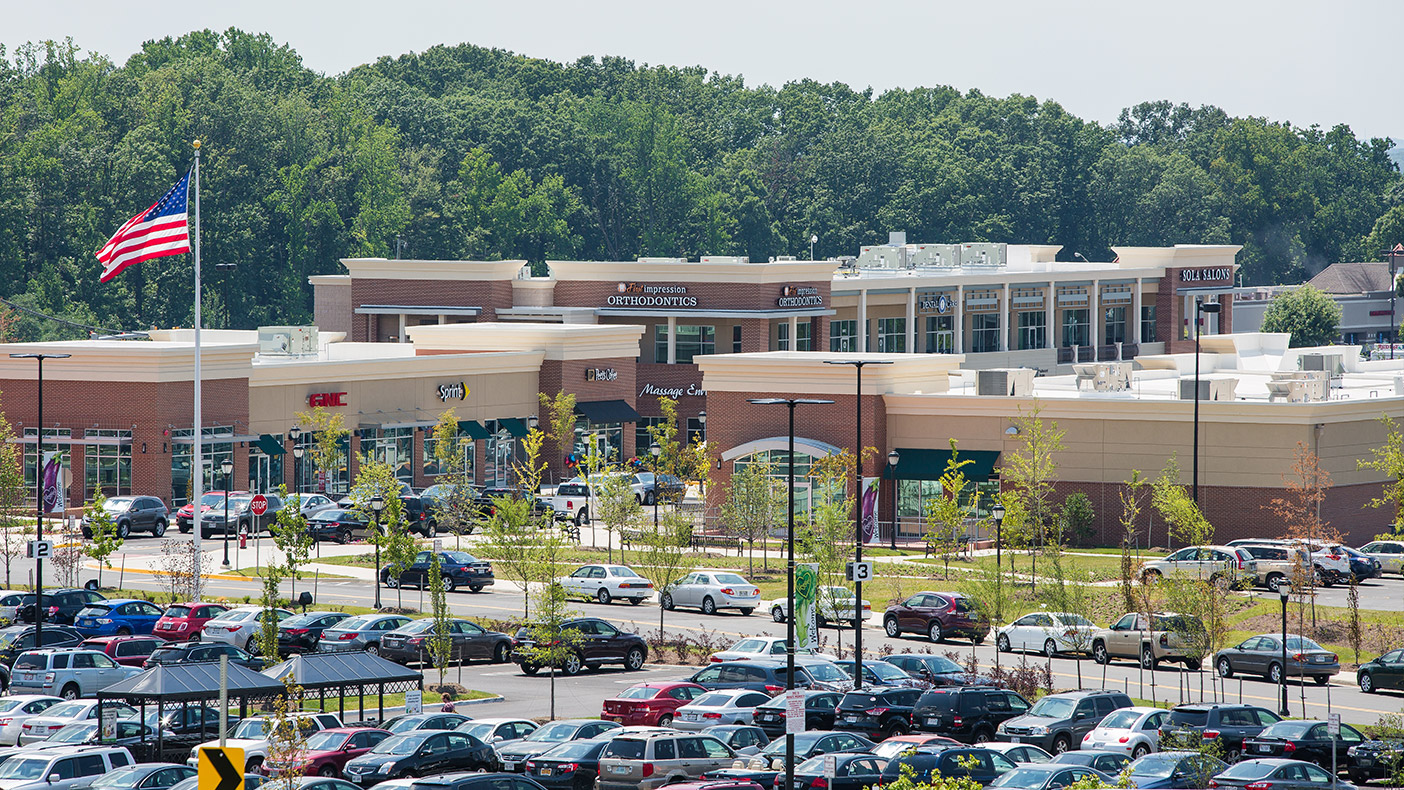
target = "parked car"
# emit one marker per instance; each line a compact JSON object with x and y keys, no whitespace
{"x":1057,"y":722}
{"x":419,"y":516}
{"x":133,"y":514}
{"x":399,"y":725}
{"x":568,"y":766}
{"x":571,"y":502}
{"x":1363,"y":566}
{"x":182,"y":621}
{"x":877,"y":714}
{"x":1161,"y":638}
{"x":851,"y":771}
{"x":189,"y":720}
{"x":744,"y":739}
{"x":936,"y":671}
{"x":663,"y":487}
{"x":981,"y":765}
{"x":129,"y":651}
{"x":729,"y":706}
{"x":240,"y":626}
{"x":420,"y":753}
{"x":969,"y":714}
{"x":147,"y":776}
{"x":117,"y":617}
{"x":653,"y":704}
{"x":457,"y":568}
{"x":767,"y":676}
{"x":441,"y":495}
{"x":240,"y":517}
{"x":1108,"y":762}
{"x":512,"y":756}
{"x":1197,"y":722}
{"x":132,"y":735}
{"x":486,"y":503}
{"x":1278,"y":564}
{"x":762,"y":647}
{"x":37,"y":728}
{"x":338,"y":525}
{"x":491,"y":731}
{"x":16,"y":709}
{"x":820,"y":708}
{"x":901,"y":743}
{"x":462,"y":781}
{"x":770,"y":762}
{"x":647,"y":762}
{"x":210,"y":500}
{"x":468,"y":642}
{"x":17,"y":639}
{"x":67,"y":672}
{"x":75,"y":767}
{"x":197,"y":652}
{"x":1375,"y":759}
{"x":1277,"y":774}
{"x":60,"y":606}
{"x":308,"y":505}
{"x":362,"y":632}
{"x":1134,"y":730}
{"x":1230,"y":564}
{"x":1262,"y":655}
{"x":1389,"y":553}
{"x":710,"y":591}
{"x":833,"y":605}
{"x":1019,"y":753}
{"x":1049,"y":776}
{"x":1049,"y":633}
{"x":398,"y":487}
{"x":252,"y":736}
{"x":1176,"y":769}
{"x":251,"y":782}
{"x":876,"y":674}
{"x":598,"y":643}
{"x":604,"y":583}
{"x":1304,"y":739}
{"x":10,"y":601}
{"x":939,"y":615}
{"x":301,"y":632}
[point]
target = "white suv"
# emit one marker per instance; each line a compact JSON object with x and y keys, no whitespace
{"x":251,"y":735}
{"x":1330,"y":562}
{"x":1206,"y":563}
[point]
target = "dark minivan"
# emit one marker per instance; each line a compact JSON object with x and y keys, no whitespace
{"x":767,"y":676}
{"x":970,"y":714}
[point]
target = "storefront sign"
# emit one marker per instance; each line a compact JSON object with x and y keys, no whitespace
{"x":601,"y":374}
{"x":326,"y":399}
{"x":1206,"y":275}
{"x":641,"y":295}
{"x":799,"y":296}
{"x":672,"y":392}
{"x":933,"y":303}
{"x":448,"y":392}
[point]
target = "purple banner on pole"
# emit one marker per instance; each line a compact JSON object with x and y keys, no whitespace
{"x":52,"y":495}
{"x":870,"y":514}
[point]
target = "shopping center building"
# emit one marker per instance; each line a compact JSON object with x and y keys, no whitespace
{"x":978,"y":334}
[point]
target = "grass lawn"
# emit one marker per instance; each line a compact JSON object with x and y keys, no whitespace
{"x":262,"y":571}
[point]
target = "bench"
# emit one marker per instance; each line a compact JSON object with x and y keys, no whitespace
{"x":629,"y":538}
{"x":724,"y":542}
{"x":965,"y":544}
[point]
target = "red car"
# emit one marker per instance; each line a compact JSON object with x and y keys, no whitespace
{"x":328,"y":751}
{"x":129,"y":651}
{"x":184,"y":621}
{"x":186,"y":515}
{"x":650,"y":704}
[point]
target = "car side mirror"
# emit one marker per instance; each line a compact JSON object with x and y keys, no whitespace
{"x":51,"y":778}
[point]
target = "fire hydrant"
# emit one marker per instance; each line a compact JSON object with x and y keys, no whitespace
{"x":243,"y":537}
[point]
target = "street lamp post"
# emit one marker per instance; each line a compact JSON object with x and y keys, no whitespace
{"x":227,"y":467}
{"x":790,"y":580}
{"x":1284,"y":590}
{"x":997,"y":511}
{"x":39,"y":491}
{"x":857,"y":365}
{"x":892,"y":458}
{"x":1200,"y":308}
{"x":377,"y":504}
{"x":654,"y":451}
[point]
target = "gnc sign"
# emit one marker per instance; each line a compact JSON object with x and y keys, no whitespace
{"x":326,"y":399}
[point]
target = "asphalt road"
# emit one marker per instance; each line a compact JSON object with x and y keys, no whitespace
{"x":582,"y":695}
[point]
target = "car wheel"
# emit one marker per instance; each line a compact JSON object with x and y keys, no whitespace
{"x":778,"y":615}
{"x":475,"y":588}
{"x":1050,"y":648}
{"x":572,"y":665}
{"x":1320,"y":680}
{"x":581,"y":517}
{"x":1367,"y":683}
{"x":667,"y":602}
{"x":666,"y":720}
{"x":373,"y":649}
{"x":251,"y":767}
{"x":602,"y":595}
{"x":1193,"y":664}
{"x":251,"y":646}
{"x":1275,"y":673}
{"x":70,"y":692}
{"x":634,"y":659}
{"x":1148,"y":659}
{"x":1225,"y":668}
{"x":187,"y":529}
{"x":889,"y":624}
{"x":983,"y":735}
{"x":933,"y":632}
{"x":1150,"y":576}
{"x":500,"y":653}
{"x":1061,"y":744}
{"x":745,"y":612}
{"x":1099,"y":652}
{"x":431,"y":531}
{"x":709,"y":606}
{"x":160,"y":528}
{"x":449,"y":584}
{"x":124,"y":631}
{"x":1002,"y":643}
{"x":1274,"y":580}
{"x":327,"y":770}
{"x":1232,"y":756}
{"x":648,"y":498}
{"x":894,"y":728}
{"x":1323,"y":579}
{"x":530,"y":669}
{"x":123,"y":529}
{"x":392,"y":582}
{"x":1140,"y":751}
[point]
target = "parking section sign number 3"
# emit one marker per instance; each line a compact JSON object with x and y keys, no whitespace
{"x":860,"y":571}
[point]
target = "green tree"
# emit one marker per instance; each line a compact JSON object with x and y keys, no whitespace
{"x":391,"y":533}
{"x":1184,"y":520}
{"x":1132,"y":494}
{"x":754,"y":503}
{"x":103,"y":539}
{"x":455,"y":507}
{"x":946,"y":514}
{"x":265,"y":642}
{"x":1312,"y":317}
{"x":1387,"y":460}
{"x":1076,"y":518}
{"x":665,"y":547}
{"x":440,"y":642}
{"x":329,"y":434}
{"x":15,"y":526}
{"x":1031,"y":471}
{"x":290,"y":534}
{"x":560,"y":421}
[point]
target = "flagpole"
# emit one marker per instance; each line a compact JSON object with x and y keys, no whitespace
{"x":197,"y":466}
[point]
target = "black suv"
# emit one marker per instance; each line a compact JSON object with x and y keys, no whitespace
{"x":767,"y":676}
{"x":420,"y":753}
{"x":970,"y":714}
{"x":419,"y":517}
{"x":596,"y":642}
{"x":1057,"y":722}
{"x":60,"y":606}
{"x":981,"y":765}
{"x":459,"y":569}
{"x":16,"y":639}
{"x":820,"y":708}
{"x":1191,"y":723}
{"x":201,"y":652}
{"x":939,"y":671}
{"x":877,"y":714}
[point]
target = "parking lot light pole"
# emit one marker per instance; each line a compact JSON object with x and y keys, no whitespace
{"x":39,"y":491}
{"x":892,"y":459}
{"x":654,"y":451}
{"x":227,"y":467}
{"x":1284,"y":590}
{"x":377,"y":504}
{"x":997,"y":512}
{"x":790,"y":576}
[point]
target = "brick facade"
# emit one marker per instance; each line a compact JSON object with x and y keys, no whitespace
{"x":491,"y":296}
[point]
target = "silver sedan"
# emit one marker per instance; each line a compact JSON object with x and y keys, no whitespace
{"x":729,"y":706}
{"x":710,"y":591}
{"x":361,"y":632}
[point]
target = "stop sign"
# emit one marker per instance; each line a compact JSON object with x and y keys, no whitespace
{"x":259,"y":505}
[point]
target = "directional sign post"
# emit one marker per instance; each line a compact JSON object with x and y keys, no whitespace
{"x":258,"y":505}
{"x":216,"y":768}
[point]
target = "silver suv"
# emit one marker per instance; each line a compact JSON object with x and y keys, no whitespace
{"x":1206,"y":563}
{"x":62,"y":768}
{"x":67,"y":672}
{"x":650,"y":760}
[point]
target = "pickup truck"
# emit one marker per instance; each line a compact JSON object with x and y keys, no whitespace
{"x":1151,"y":643}
{"x":571,"y":502}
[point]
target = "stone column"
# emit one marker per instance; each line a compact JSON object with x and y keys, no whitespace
{"x":911,"y":320}
{"x":1004,"y":314}
{"x":958,"y":319}
{"x":862,"y":319}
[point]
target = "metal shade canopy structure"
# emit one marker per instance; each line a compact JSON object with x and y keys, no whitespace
{"x":343,"y":673}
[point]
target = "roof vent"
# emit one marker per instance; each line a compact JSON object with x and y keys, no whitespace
{"x":1005,"y":382}
{"x":287,"y":341}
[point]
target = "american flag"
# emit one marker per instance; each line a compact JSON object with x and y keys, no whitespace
{"x":156,"y":232}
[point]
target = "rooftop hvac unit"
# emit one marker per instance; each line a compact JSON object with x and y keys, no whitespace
{"x":935,"y":256}
{"x":662,"y":260}
{"x":725,"y":259}
{"x":1331,"y":363}
{"x":1103,"y":376}
{"x":1005,"y":382}
{"x":293,"y":341}
{"x":785,"y":258}
{"x":1209,"y":389}
{"x":1305,"y":386}
{"x":983,"y":254}
{"x":883,"y":257}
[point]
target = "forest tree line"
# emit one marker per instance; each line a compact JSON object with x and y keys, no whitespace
{"x":468,"y":152}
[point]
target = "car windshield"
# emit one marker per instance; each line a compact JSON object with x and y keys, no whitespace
{"x":1289,"y":730}
{"x":712,"y":701}
{"x":7,"y":639}
{"x":1120,"y":720}
{"x":1157,"y":766}
{"x":623,"y":572}
{"x":1053,"y":708}
{"x":325,"y":741}
{"x":729,"y":578}
{"x":1076,"y":619}
{"x":574,"y":750}
{"x":122,"y":777}
{"x":73,"y":733}
{"x":554,"y":733}
{"x":7,"y":705}
{"x":177,"y":611}
{"x":67,"y":710}
{"x":942,"y":665}
{"x":1022,"y":777}
{"x":1193,"y":718}
{"x":418,"y":626}
{"x":301,"y":620}
{"x":962,"y":604}
{"x":814,"y":766}
{"x":404,"y":724}
{"x":210,"y":500}
{"x":94,"y":610}
{"x":250,"y":728}
{"x":461,"y":557}
{"x":639,"y":692}
{"x":117,"y":504}
{"x":1301,"y":643}
{"x":1249,"y":769}
{"x":399,"y":744}
{"x":24,"y":769}
{"x":32,"y":661}
{"x":625,"y":749}
{"x":355,"y":623}
{"x":826,"y":673}
{"x":886,"y":671}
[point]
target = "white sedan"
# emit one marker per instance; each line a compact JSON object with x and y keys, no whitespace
{"x":40,"y":727}
{"x":18,"y":709}
{"x":730,"y":706}
{"x":1134,"y":731}
{"x":1048,"y":633}
{"x":754,"y":647}
{"x":710,"y":591}
{"x":835,"y":606}
{"x":607,"y":582}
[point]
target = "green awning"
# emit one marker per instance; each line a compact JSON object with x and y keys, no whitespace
{"x":270,"y":445}
{"x":514,"y":426}
{"x":473,"y":428}
{"x":923,"y":464}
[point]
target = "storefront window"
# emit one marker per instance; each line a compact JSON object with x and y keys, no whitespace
{"x":212,"y":454}
{"x":265,"y":471}
{"x":696,"y":431}
{"x":736,"y":339}
{"x":55,"y":441}
{"x":1076,"y":328}
{"x":107,"y":462}
{"x":940,"y":338}
{"x":1115,"y":331}
{"x":336,"y":480}
{"x":912,"y":496}
{"x":692,"y":341}
{"x":608,"y":436}
{"x":984,"y":332}
{"x":464,"y":450}
{"x":642,"y":438}
{"x":500,"y":454}
{"x":1148,"y":323}
{"x":892,"y":335}
{"x":394,"y":447}
{"x":782,"y":336}
{"x":807,"y":489}
{"x":843,"y":335}
{"x":1032,"y":329}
